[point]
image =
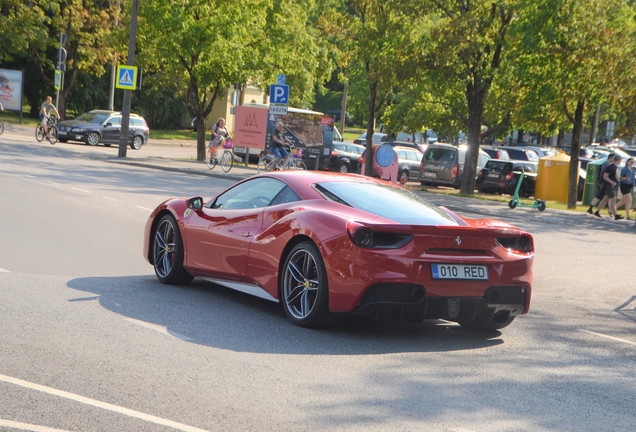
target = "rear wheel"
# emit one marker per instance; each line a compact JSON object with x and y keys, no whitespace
{"x":209,"y":158}
{"x":297,"y":164}
{"x":168,"y":253}
{"x":480,"y":325}
{"x":1,"y":126}
{"x":304,"y":288}
{"x":344,"y":168}
{"x":264,"y":163}
{"x":39,"y":133}
{"x":541,"y":206}
{"x":137,"y":142}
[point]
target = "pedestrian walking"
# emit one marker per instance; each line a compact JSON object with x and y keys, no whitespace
{"x":610,"y":178}
{"x":627,"y":186}
{"x":600,"y":194}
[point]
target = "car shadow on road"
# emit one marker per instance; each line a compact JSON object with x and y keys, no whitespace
{"x":211,"y":315}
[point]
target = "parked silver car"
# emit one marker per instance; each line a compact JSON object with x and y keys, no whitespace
{"x":443,"y":164}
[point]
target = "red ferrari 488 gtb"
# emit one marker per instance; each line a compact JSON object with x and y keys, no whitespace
{"x":328,"y":244}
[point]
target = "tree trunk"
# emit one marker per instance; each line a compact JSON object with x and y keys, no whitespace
{"x":201,"y":129}
{"x":520,"y":136}
{"x":475,"y":99}
{"x":373,"y":92}
{"x":574,"y":155}
{"x":597,"y":114}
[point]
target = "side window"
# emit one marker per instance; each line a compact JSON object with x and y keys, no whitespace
{"x":115,"y":121}
{"x":255,"y":193}
{"x":401,"y":154}
{"x":287,"y":195}
{"x":136,"y":122}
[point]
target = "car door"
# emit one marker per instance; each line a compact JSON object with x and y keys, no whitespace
{"x":431,"y":165}
{"x":219,"y":235}
{"x":111,"y":130}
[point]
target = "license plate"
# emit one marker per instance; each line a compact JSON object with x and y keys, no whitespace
{"x":493,"y":175}
{"x":459,"y":271}
{"x":239,"y":149}
{"x":430,"y":174}
{"x":78,"y":137}
{"x":61,"y":132}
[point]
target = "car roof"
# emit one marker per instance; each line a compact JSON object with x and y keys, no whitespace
{"x":109,"y":113}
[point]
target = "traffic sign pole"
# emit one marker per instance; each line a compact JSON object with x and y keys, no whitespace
{"x":125,"y":112}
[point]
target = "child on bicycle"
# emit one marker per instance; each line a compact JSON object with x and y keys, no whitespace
{"x":219,"y":131}
{"x":277,"y":146}
{"x":45,"y":112}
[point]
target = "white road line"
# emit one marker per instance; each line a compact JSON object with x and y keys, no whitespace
{"x":28,"y":427}
{"x":81,"y":190}
{"x":112,"y":199}
{"x":608,"y":337}
{"x":160,"y":329}
{"x":29,"y":176}
{"x":4,"y":271}
{"x":52,"y":182}
{"x":101,"y":405}
{"x":144,"y":208}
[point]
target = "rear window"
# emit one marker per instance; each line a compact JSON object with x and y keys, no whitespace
{"x":389,"y":202}
{"x":498,"y":165}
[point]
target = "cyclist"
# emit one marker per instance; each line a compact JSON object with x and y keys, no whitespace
{"x":1,"y":107}
{"x":45,"y":113}
{"x":277,"y":145}
{"x":219,"y":131}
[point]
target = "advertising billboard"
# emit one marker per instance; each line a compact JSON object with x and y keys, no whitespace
{"x":11,"y":89}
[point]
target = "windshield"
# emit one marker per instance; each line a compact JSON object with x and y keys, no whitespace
{"x":97,"y":118}
{"x":396,"y":204}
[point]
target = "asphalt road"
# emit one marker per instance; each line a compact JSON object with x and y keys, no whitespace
{"x":90,"y":341}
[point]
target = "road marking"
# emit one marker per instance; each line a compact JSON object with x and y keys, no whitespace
{"x":81,"y":190}
{"x":144,"y":208}
{"x":112,"y":199}
{"x":160,"y":329}
{"x":28,"y":427}
{"x":608,"y":337}
{"x":100,"y":404}
{"x":4,"y":271}
{"x":29,"y":176}
{"x":52,"y":182}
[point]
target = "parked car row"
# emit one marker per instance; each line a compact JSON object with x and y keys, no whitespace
{"x":101,"y":126}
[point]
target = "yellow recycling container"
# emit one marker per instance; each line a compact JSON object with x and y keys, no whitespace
{"x":553,"y":178}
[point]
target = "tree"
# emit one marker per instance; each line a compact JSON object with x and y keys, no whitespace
{"x":203,"y":47}
{"x":573,"y":53}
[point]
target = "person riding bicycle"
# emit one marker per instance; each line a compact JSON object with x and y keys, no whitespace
{"x":219,"y":131}
{"x":45,"y":112}
{"x":1,"y":107}
{"x":277,"y":145}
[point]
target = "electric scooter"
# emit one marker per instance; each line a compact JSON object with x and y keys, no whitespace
{"x":515,"y":202}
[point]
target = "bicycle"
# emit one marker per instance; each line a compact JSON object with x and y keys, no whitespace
{"x":292,"y":162}
{"x":40,"y":131}
{"x":1,"y":126}
{"x":227,"y":157}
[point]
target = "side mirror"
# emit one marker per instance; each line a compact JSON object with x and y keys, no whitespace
{"x":195,"y":203}
{"x":108,"y":124}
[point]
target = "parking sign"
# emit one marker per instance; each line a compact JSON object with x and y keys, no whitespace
{"x":279,"y":94}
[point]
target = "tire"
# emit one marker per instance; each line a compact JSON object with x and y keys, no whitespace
{"x":136,"y":143}
{"x":62,"y":140}
{"x":39,"y":133}
{"x":1,"y":126}
{"x":541,"y":206}
{"x":478,"y":325}
{"x":93,"y":138}
{"x":227,"y":161}
{"x":512,"y":204}
{"x":209,"y":160}
{"x":167,"y":253}
{"x":264,"y":162}
{"x":344,"y":168}
{"x":297,"y":164}
{"x":403,"y":174}
{"x":305,"y":290}
{"x":106,"y":145}
{"x":53,"y":134}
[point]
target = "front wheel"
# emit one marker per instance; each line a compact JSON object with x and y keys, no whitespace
{"x":1,"y":126}
{"x":137,"y":142}
{"x":344,"y":168}
{"x":264,"y":163}
{"x":305,"y":290}
{"x":512,"y":204}
{"x":93,"y":138}
{"x":168,"y":253}
{"x":209,"y":159}
{"x":40,"y":133}
{"x":53,"y":134}
{"x":227,"y":161}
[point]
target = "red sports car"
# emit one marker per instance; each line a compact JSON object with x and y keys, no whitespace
{"x":329,"y":244}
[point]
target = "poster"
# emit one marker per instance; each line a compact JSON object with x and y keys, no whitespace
{"x":11,"y":89}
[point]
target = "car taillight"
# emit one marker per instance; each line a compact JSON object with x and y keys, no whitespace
{"x":520,"y":244}
{"x":509,"y":176}
{"x":334,"y":154}
{"x":360,"y":234}
{"x":363,"y":236}
{"x":455,"y":170}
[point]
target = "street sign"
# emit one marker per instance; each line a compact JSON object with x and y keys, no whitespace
{"x":58,"y":80}
{"x":279,"y":94}
{"x":126,"y":77}
{"x":280,"y":79}
{"x":278,"y":109}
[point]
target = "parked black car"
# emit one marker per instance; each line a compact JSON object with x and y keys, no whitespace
{"x":103,"y":126}
{"x":344,"y":158}
{"x":502,"y":176}
{"x":522,"y":153}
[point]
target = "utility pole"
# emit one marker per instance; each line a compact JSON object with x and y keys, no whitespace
{"x":111,"y":100}
{"x":61,"y":66}
{"x":343,"y":112}
{"x":125,"y":112}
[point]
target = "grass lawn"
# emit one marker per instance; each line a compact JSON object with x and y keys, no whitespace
{"x":182,"y":134}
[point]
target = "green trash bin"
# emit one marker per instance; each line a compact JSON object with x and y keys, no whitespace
{"x":592,"y":174}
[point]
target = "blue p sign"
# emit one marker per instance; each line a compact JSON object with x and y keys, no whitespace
{"x":279,"y":94}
